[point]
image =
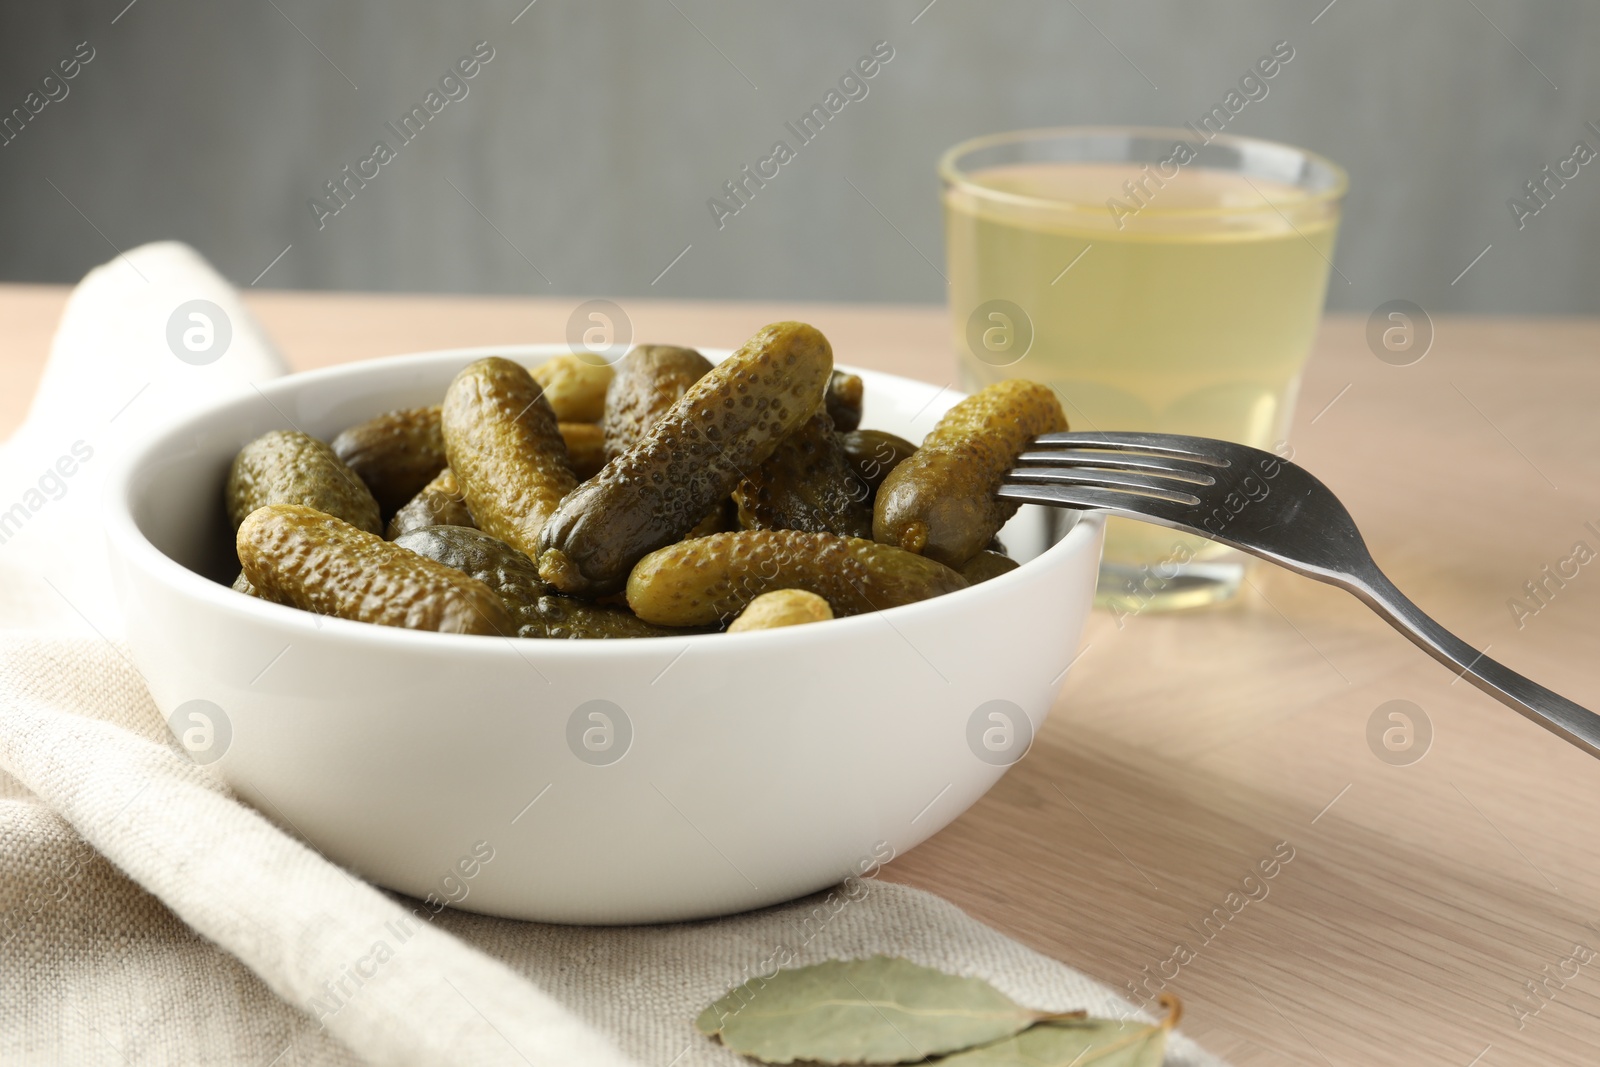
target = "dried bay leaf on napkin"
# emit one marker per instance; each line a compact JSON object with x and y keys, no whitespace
{"x":873,"y":1011}
{"x":1076,"y":1043}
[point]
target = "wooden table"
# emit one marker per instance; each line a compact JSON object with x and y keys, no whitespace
{"x":1420,"y":899}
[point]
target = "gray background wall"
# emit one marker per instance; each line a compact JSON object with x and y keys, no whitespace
{"x":589,"y":144}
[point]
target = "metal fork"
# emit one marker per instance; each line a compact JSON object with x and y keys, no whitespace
{"x":1265,"y":505}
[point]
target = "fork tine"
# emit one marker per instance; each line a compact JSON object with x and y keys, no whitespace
{"x":1166,"y":444}
{"x":1159,"y":466}
{"x":1164,"y":512}
{"x":1098,"y":498}
{"x":1104,"y":479}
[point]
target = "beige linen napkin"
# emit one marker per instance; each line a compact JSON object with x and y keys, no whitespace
{"x":146,"y":916}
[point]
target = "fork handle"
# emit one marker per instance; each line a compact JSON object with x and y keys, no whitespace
{"x":1549,"y":709}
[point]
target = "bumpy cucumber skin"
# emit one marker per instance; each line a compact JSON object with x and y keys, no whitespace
{"x":289,"y":467}
{"x":396,"y":453}
{"x":506,"y":450}
{"x":806,"y":484}
{"x":710,"y":579}
{"x":940,"y":502}
{"x":649,"y":380}
{"x":310,"y":560}
{"x":727,"y":423}
{"x":536,"y":610}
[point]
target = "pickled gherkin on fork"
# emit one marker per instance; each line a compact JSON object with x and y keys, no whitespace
{"x":940,"y":501}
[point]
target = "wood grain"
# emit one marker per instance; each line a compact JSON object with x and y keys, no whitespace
{"x":1420,"y":899}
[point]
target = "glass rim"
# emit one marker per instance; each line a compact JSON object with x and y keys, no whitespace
{"x":954,"y":176}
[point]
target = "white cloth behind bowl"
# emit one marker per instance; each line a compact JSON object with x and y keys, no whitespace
{"x":112,"y":377}
{"x":148,"y":917}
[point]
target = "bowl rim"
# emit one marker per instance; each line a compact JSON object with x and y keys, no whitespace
{"x":125,"y":538}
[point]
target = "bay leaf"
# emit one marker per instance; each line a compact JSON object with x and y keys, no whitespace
{"x":874,"y":1011}
{"x":1081,"y":1043}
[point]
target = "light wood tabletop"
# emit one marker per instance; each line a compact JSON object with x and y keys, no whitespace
{"x":1423,"y":902}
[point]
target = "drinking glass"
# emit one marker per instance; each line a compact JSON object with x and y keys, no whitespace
{"x":1166,"y":280}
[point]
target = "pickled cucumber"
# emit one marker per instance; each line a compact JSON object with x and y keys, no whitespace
{"x":713,"y":578}
{"x":781,"y":607}
{"x":439,"y":504}
{"x":488,"y":559}
{"x":395,"y":454}
{"x":289,"y":467}
{"x":843,"y":400}
{"x":586,"y":448}
{"x":874,"y":453}
{"x":941,"y":501}
{"x":986,"y":565}
{"x":310,"y":560}
{"x":242,"y":584}
{"x":535,"y":609}
{"x":806,"y":484}
{"x":506,"y":450}
{"x":727,"y":423}
{"x":575,"y":388}
{"x":649,"y":380}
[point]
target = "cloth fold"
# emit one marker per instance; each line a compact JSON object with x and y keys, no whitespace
{"x":115,"y":373}
{"x":147,"y":916}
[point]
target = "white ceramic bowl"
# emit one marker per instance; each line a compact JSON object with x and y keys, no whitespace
{"x":740,"y":770}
